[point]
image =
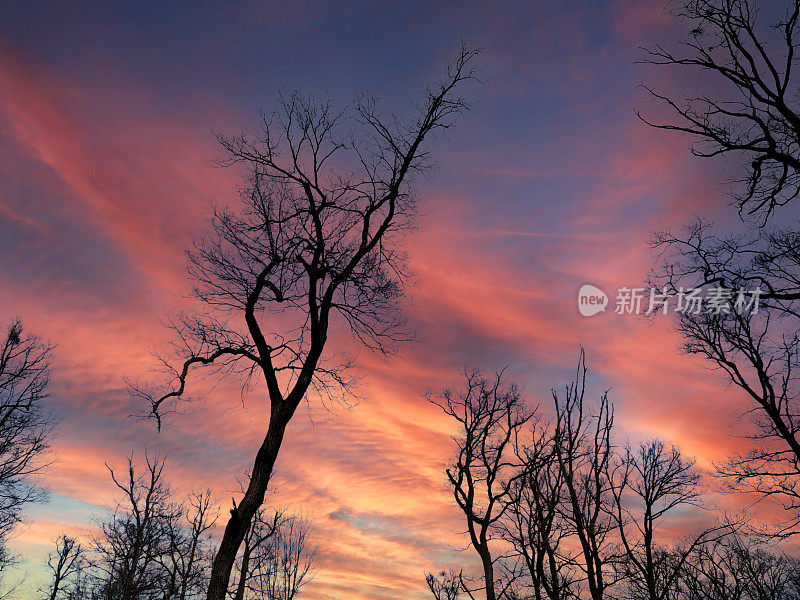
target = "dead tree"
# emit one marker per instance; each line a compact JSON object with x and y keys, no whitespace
{"x":534,"y":524}
{"x":290,"y":563}
{"x":326,"y":199}
{"x":26,"y":424}
{"x":648,"y":485}
{"x":489,"y":418}
{"x":65,"y":563}
{"x":752,"y":115}
{"x":584,"y":451}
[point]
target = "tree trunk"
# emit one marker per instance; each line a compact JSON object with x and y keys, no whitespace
{"x":488,"y":576}
{"x":243,"y":574}
{"x":56,"y":585}
{"x":242,"y":515}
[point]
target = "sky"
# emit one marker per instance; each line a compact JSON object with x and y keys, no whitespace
{"x":107,"y":119}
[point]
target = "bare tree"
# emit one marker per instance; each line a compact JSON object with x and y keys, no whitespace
{"x":130,"y":546}
{"x":444,"y":586}
{"x":747,"y":58}
{"x":26,"y":425}
{"x":188,"y":560}
{"x":323,"y":209}
{"x":534,"y":524}
{"x":291,"y":562}
{"x":278,"y":558}
{"x":753,"y":344}
{"x":584,"y":451}
{"x":260,"y":530}
{"x":737,"y":568}
{"x":551,"y":496}
{"x":66,"y":563}
{"x":153,"y":546}
{"x":489,"y":417}
{"x":648,"y":485}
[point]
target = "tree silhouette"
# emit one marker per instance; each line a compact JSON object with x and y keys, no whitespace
{"x":188,"y":559}
{"x":153,"y":547}
{"x":755,"y":347}
{"x":545,"y":489}
{"x":489,"y":417}
{"x":260,"y":530}
{"x":754,"y":116}
{"x":66,"y":563}
{"x":738,"y":567}
{"x":278,"y":558}
{"x":649,"y":484}
{"x":316,"y":239}
{"x":534,"y":522}
{"x":752,"y":113}
{"x":26,"y":425}
{"x":444,"y":586}
{"x":584,"y":451}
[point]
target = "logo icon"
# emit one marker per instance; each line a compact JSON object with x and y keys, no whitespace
{"x":591,"y":300}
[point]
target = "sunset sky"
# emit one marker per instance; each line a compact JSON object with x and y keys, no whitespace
{"x":107,"y":120}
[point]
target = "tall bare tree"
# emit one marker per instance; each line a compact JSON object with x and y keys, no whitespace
{"x":744,"y":59}
{"x":129,"y":546}
{"x":327,"y":195}
{"x":584,"y":450}
{"x":287,"y":562}
{"x":483,"y":474}
{"x":188,"y":559}
{"x":260,"y":530}
{"x":26,"y":425}
{"x":752,"y":342}
{"x":534,"y":523}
